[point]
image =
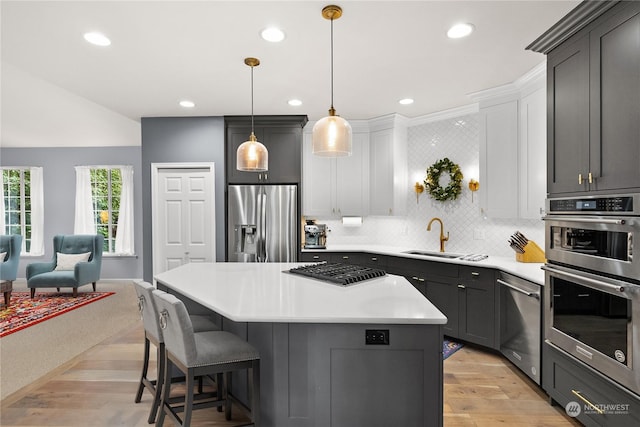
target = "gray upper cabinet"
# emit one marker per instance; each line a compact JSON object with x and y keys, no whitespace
{"x":594,"y":106}
{"x":568,"y":117}
{"x":615,"y":101}
{"x":282,"y":135}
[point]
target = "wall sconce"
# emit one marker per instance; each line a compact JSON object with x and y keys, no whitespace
{"x":419,"y":189}
{"x":473,"y":186}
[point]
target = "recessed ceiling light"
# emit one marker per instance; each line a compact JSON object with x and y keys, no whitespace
{"x":460,"y":30}
{"x":187,"y":104}
{"x":406,"y":101}
{"x":272,"y":34}
{"x":294,"y":102}
{"x":97,"y":39}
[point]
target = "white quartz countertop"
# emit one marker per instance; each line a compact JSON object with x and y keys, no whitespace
{"x":267,"y":292}
{"x":529,"y":271}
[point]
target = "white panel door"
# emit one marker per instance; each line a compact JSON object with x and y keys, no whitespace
{"x":184,"y":222}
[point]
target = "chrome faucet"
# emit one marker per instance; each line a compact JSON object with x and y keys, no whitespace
{"x":442,"y":237}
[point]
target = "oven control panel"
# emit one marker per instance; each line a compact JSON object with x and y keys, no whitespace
{"x":627,"y":204}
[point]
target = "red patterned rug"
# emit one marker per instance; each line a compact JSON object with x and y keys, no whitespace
{"x":24,"y":311}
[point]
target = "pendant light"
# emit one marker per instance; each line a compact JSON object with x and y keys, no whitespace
{"x":332,"y":134}
{"x":252,"y":156}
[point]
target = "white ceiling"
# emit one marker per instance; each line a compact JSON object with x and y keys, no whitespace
{"x":165,"y":51}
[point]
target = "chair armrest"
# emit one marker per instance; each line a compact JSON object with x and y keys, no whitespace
{"x":87,"y":272}
{"x":39,"y":267}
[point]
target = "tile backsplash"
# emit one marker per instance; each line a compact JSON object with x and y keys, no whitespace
{"x":469,"y":231}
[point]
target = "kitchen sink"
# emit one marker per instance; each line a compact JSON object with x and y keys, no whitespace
{"x":434,"y":254}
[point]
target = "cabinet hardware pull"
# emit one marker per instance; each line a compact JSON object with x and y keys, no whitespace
{"x":461,"y":286}
{"x":345,"y":257}
{"x":374,"y":259}
{"x":420,"y":279}
{"x":475,"y":273}
{"x":316,"y":257}
{"x":594,"y":407}
{"x":580,"y":178}
{"x":414,"y":278}
{"x":590,"y":178}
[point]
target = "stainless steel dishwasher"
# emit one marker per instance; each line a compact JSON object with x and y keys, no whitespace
{"x":521,"y":323}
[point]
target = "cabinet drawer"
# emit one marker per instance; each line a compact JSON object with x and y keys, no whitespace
{"x":429,"y":269}
{"x":565,"y":380}
{"x":315,"y":257}
{"x":470,"y":275}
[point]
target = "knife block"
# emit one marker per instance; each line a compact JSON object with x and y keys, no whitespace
{"x":532,"y":253}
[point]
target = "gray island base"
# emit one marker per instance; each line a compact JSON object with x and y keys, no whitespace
{"x":367,"y":355}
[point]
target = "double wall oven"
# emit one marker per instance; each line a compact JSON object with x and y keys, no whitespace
{"x":592,"y":282}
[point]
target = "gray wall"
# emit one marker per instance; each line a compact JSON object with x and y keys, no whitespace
{"x":182,"y":139}
{"x":59,"y":196}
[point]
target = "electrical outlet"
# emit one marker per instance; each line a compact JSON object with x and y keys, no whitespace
{"x":478,"y":234}
{"x":376,"y":337}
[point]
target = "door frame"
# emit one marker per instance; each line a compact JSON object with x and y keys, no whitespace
{"x":155,"y":167}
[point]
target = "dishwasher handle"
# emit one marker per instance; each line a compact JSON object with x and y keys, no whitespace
{"x":517,"y":289}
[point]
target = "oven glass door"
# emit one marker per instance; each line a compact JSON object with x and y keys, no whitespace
{"x":592,"y":318}
{"x":596,"y":318}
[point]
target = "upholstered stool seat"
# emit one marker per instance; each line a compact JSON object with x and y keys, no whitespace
{"x":203,"y":353}
{"x":153,"y":335}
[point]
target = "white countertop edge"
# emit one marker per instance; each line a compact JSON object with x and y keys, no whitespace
{"x":270,"y":297}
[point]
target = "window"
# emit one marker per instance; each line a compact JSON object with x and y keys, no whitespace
{"x":104,"y":205}
{"x":22,"y":209}
{"x":106,"y":187}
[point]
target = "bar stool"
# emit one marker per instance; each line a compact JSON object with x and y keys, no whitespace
{"x":153,"y":334}
{"x":203,"y":354}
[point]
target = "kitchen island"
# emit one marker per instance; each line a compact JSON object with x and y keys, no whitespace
{"x":366,"y":354}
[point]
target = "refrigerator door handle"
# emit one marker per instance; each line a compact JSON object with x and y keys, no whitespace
{"x":263,"y":217}
{"x":261,"y":248}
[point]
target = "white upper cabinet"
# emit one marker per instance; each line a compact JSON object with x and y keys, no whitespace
{"x":499,"y":159}
{"x":533,"y":154}
{"x":336,"y":187}
{"x":513,"y":148}
{"x":388,"y":170}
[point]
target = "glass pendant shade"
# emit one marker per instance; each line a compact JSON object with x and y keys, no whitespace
{"x":331,"y":137}
{"x":252,"y":156}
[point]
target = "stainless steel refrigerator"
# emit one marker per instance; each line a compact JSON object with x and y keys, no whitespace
{"x":262,"y":223}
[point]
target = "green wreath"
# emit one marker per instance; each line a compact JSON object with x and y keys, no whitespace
{"x":432,"y":182}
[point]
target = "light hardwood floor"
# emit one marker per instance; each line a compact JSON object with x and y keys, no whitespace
{"x":97,"y":388}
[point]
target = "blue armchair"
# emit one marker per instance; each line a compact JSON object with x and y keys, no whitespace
{"x":10,"y":245}
{"x":77,"y":260}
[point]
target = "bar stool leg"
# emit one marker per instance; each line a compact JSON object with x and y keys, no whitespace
{"x":145,"y":368}
{"x":157,"y":398}
{"x":166,"y":392}
{"x":188,"y":398}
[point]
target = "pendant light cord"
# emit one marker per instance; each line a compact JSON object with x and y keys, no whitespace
{"x":252,"y":99}
{"x":332,"y":63}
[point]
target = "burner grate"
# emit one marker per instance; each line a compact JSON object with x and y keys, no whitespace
{"x":342,"y":274}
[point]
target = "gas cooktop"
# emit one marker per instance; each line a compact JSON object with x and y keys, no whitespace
{"x":342,"y":274}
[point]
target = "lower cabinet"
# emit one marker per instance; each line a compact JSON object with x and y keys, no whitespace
{"x":585,"y":394}
{"x":465,"y":294}
{"x":469,"y":303}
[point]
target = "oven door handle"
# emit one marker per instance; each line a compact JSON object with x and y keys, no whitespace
{"x":517,"y":289}
{"x":587,"y":220}
{"x":598,"y":284}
